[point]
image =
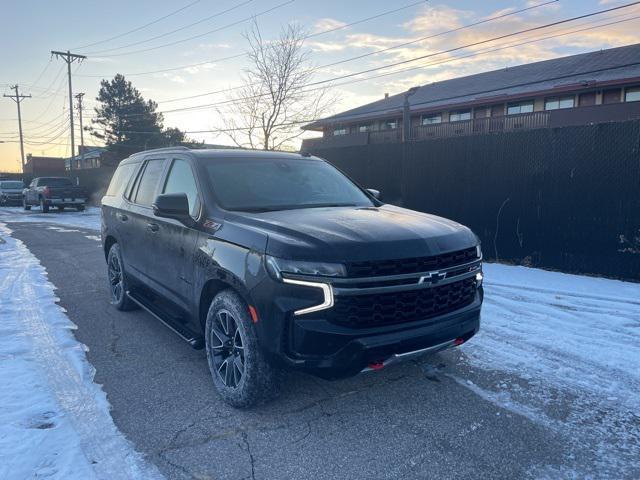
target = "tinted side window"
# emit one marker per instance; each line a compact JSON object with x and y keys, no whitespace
{"x":181,"y":180}
{"x":120,"y":179}
{"x":149,"y":182}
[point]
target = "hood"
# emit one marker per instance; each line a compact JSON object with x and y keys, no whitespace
{"x":347,"y":234}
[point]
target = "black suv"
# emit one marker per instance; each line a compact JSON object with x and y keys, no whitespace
{"x":273,"y":260}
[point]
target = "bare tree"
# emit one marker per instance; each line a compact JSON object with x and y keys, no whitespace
{"x":276,"y":97}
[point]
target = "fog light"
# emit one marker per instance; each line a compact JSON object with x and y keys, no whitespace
{"x":479,"y":278}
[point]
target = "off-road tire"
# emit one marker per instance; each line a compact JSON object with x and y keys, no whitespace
{"x":24,"y":204}
{"x":260,"y":381}
{"x":43,"y":206}
{"x":115,"y":263}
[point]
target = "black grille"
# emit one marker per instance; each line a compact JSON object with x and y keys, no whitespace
{"x":399,"y":307}
{"x":411,"y":265}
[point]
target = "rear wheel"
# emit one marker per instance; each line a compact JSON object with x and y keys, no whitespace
{"x":61,"y":209}
{"x":24,"y":204}
{"x":117,"y":280}
{"x":43,"y":206}
{"x":80,"y":208}
{"x":240,"y":371}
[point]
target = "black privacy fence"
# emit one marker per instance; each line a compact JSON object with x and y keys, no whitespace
{"x":560,"y":198}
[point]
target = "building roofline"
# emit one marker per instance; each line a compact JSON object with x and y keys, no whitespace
{"x":393,"y":109}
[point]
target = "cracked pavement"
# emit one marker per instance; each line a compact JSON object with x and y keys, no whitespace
{"x":414,"y":420}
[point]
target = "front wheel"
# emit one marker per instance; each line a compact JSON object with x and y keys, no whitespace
{"x":43,"y":206}
{"x":240,"y":371}
{"x":117,"y":280}
{"x":25,"y":205}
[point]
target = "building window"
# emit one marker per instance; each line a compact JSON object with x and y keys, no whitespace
{"x":632,"y":94}
{"x":340,"y":131}
{"x":364,"y":128}
{"x":460,"y":115}
{"x":390,"y":124}
{"x":522,"y":107}
{"x":556,"y":103}
{"x":431,"y":119}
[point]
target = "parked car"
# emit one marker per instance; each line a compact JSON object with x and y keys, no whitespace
{"x":11,"y":192}
{"x":272,"y":260}
{"x":57,"y":192}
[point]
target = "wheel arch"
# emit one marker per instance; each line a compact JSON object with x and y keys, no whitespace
{"x":108,"y":243}
{"x":214,"y":286}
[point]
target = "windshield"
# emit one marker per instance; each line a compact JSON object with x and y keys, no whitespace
{"x":281,"y":184}
{"x":11,"y":185}
{"x":54,"y":182}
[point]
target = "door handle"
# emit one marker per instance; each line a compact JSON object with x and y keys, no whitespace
{"x":153,"y":227}
{"x":122,"y":217}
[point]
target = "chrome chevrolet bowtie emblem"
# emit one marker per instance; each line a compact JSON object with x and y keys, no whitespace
{"x":432,"y":277}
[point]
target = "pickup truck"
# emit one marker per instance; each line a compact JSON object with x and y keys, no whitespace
{"x":11,"y":192}
{"x":57,"y":192}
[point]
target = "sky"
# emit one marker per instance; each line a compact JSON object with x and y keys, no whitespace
{"x":138,"y":37}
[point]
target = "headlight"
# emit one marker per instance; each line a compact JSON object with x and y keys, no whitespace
{"x":277,"y":266}
{"x":478,"y":251}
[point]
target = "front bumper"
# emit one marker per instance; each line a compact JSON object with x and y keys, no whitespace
{"x":316,"y":345}
{"x":349,"y":351}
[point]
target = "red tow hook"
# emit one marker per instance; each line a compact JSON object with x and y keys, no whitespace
{"x":458,"y":341}
{"x":376,"y":365}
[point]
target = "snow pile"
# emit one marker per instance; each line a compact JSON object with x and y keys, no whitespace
{"x":54,"y":421}
{"x":89,"y":219}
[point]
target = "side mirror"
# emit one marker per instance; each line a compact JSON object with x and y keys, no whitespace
{"x":173,"y":205}
{"x":375,"y":193}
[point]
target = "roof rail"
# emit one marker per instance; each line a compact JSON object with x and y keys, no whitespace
{"x":165,"y":149}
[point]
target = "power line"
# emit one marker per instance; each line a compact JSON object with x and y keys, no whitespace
{"x":439,"y":62}
{"x":498,"y":17}
{"x":138,"y":28}
{"x":422,"y":57}
{"x":244,"y":54}
{"x":357,"y":22}
{"x":224,"y":27}
{"x":150,"y":39}
{"x":482,"y":42}
{"x":439,"y":34}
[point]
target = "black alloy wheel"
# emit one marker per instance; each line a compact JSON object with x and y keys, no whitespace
{"x":227,"y":348}
{"x":115,"y":279}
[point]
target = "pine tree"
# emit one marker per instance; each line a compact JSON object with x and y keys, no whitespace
{"x":126,"y":122}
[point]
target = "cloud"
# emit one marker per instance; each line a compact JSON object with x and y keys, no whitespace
{"x":436,"y":19}
{"x":488,"y":56}
{"x":326,"y":24}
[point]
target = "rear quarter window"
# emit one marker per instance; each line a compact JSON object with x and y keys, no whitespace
{"x":120,"y":179}
{"x":148,"y":183}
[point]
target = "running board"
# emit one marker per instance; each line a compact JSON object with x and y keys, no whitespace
{"x":193,"y":339}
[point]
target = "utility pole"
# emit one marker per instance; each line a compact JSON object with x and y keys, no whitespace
{"x":18,"y":98}
{"x":79,"y":97}
{"x":70,"y":58}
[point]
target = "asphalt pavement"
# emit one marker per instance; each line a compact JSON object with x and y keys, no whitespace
{"x":421,"y":419}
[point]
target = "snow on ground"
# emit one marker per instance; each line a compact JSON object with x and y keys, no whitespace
{"x":576,"y":331}
{"x":54,"y":421}
{"x":572,"y":343}
{"x":89,"y":219}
